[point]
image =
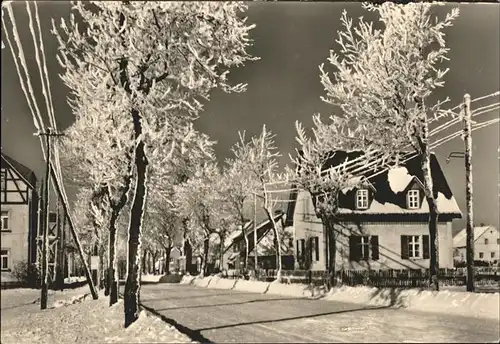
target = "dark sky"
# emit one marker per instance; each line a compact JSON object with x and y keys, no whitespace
{"x":292,"y":39}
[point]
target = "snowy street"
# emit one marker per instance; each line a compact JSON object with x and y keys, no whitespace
{"x":233,"y":316}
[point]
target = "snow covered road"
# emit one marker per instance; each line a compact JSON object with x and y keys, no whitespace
{"x":233,"y":316}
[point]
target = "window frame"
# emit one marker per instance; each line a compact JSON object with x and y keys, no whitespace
{"x":481,"y":255}
{"x":486,"y":241}
{"x":3,"y":179}
{"x":412,"y":243}
{"x":365,"y":245}
{"x":362,"y":195}
{"x":413,"y":199}
{"x":492,"y":254}
{"x":5,"y":214}
{"x":2,"y":256}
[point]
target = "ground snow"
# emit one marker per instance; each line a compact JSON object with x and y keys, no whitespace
{"x":399,"y":179}
{"x":80,"y":319}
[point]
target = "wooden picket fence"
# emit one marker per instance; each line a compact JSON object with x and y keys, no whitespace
{"x":390,"y":278}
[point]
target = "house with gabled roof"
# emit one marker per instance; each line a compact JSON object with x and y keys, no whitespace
{"x":234,"y":247}
{"x":383,"y":220}
{"x":19,"y":206}
{"x":486,"y":244}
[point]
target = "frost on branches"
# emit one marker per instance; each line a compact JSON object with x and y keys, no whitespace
{"x":259,"y":157}
{"x":152,"y":62}
{"x":199,"y":199}
{"x":384,"y":80}
{"x":313,"y":171}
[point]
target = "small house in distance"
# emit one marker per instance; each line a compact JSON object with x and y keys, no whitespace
{"x":486,"y":244}
{"x":19,"y":205}
{"x":234,"y":252}
{"x":383,"y":223}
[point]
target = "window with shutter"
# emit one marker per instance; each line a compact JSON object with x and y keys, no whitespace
{"x":404,"y":247}
{"x":365,"y":247}
{"x":414,"y":249}
{"x":354,"y":248}
{"x":316,"y":244}
{"x":374,"y":247}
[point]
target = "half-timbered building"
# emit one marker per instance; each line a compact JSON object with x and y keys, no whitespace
{"x":19,"y":203}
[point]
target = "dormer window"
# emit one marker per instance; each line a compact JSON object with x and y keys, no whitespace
{"x":413,"y":199}
{"x":362,"y":199}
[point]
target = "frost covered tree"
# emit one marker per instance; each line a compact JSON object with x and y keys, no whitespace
{"x":259,"y":157}
{"x":238,"y":187}
{"x":199,"y":200}
{"x":155,"y":59}
{"x":312,"y":171}
{"x":386,"y":80}
{"x":96,"y":153}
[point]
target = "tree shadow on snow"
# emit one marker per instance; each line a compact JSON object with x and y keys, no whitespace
{"x":229,"y":304}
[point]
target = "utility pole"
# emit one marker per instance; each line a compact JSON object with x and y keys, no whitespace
{"x":45,"y":241}
{"x":468,"y":193}
{"x":255,"y":233}
{"x":60,"y":248}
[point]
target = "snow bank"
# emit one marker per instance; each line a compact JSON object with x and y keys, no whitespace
{"x":297,"y":290}
{"x":88,"y":321}
{"x":252,"y":286}
{"x":399,"y":179}
{"x":479,"y":305}
{"x":150,"y":278}
{"x":202,"y":282}
{"x":223,"y":283}
{"x":186,"y":279}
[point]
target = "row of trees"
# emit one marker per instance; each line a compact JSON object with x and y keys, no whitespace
{"x":137,"y":73}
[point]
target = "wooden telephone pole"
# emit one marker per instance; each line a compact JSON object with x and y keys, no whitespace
{"x":256,"y":266}
{"x":469,"y":250}
{"x":45,"y":241}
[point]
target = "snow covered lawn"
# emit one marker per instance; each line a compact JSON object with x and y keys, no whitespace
{"x":76,"y":318}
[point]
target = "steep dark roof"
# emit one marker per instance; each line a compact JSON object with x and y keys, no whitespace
{"x":25,"y":173}
{"x":262,"y":229}
{"x":384,"y":194}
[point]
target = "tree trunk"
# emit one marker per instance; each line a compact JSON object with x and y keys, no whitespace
{"x":277,"y":244}
{"x":433,"y":214}
{"x":221,"y":252}
{"x":155,"y":255}
{"x":100,"y":267}
{"x":204,"y":265}
{"x":112,"y":270}
{"x":132,"y":284}
{"x":144,"y":266}
{"x":168,"y":251}
{"x":332,"y":250}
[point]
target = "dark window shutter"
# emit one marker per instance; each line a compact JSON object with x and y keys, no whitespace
{"x":311,"y":248}
{"x":316,"y":245}
{"x":425,"y":244}
{"x":354,"y":248}
{"x":374,"y":244}
{"x":302,"y":248}
{"x":404,"y":247}
{"x":298,"y":248}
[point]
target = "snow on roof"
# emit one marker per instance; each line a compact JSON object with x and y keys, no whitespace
{"x":459,"y":240}
{"x":399,"y":178}
{"x":444,"y":205}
